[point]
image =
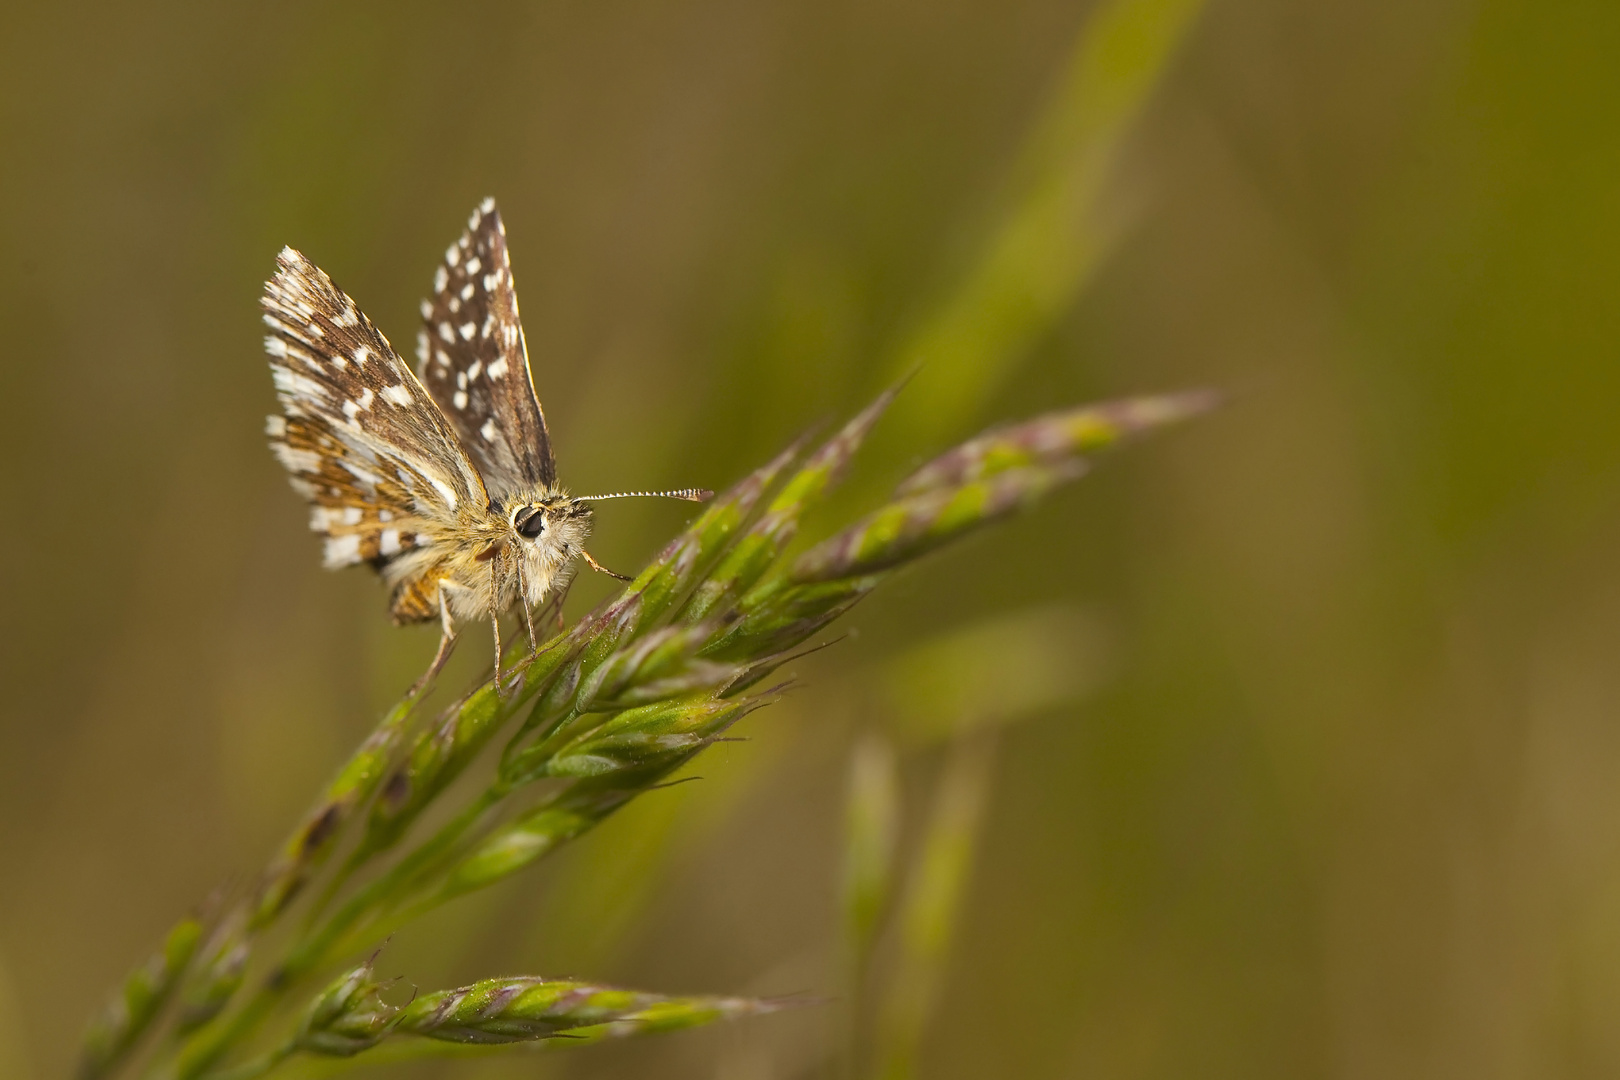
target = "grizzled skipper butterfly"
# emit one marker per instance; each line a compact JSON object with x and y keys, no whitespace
{"x":441,"y":480}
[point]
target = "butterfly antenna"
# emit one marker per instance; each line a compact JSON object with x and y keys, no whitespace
{"x":689,"y":494}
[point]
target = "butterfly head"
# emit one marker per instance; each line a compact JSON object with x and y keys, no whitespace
{"x":549,"y":528}
{"x":553,"y":524}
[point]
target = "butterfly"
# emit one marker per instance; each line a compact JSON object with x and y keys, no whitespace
{"x":442,"y":479}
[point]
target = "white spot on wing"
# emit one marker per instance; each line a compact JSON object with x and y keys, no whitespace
{"x":398,"y":394}
{"x":343,"y":550}
{"x":427,"y":310}
{"x":489,"y":430}
{"x":352,"y":515}
{"x":295,"y":385}
{"x":361,"y":355}
{"x":498,"y":368}
{"x":441,"y":278}
{"x":467,"y":331}
{"x":476,"y":369}
{"x":388,"y":542}
{"x":275,"y":427}
{"x":367,"y":396}
{"x":460,"y":400}
{"x":297,"y":461}
{"x":292,"y":330}
{"x":275,"y":347}
{"x":447,"y":334}
{"x":467,"y":289}
{"x":363,"y":475}
{"x":453,"y":254}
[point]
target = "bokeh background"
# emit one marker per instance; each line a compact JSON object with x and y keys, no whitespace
{"x":1313,"y":771}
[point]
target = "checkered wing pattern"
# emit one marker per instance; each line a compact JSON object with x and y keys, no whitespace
{"x":471,"y":356}
{"x":363,"y":440}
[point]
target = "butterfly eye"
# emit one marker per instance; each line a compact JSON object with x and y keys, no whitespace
{"x":530,"y":522}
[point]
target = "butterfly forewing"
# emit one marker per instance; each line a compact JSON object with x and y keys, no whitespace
{"x":471,"y":356}
{"x":362,"y":438}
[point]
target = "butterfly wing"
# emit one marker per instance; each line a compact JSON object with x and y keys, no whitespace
{"x":471,"y":356}
{"x":363,"y":440}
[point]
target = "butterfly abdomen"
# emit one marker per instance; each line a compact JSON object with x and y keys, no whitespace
{"x":415,"y":599}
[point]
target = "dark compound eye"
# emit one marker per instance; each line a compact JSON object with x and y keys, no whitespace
{"x":530,"y":522}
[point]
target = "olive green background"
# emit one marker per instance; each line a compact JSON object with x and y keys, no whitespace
{"x":1344,"y":800}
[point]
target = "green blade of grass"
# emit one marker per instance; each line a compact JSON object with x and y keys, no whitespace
{"x":932,"y":904}
{"x":1055,"y":231}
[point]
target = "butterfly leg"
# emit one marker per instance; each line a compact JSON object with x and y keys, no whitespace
{"x":559,"y":598}
{"x":495,"y":615}
{"x":563,"y":582}
{"x":523,"y":602}
{"x":447,"y":643}
{"x":599,"y":568}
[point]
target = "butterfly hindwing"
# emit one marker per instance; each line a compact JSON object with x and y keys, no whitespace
{"x":472,"y":358}
{"x":363,"y":440}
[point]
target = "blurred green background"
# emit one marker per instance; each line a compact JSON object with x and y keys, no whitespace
{"x":1329,"y":785}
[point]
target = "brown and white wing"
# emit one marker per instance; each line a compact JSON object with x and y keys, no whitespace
{"x":363,"y":440}
{"x":471,"y":356}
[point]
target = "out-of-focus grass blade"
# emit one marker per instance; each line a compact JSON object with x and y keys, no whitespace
{"x":1054,"y":233}
{"x":934,"y":891}
{"x":871,"y":827}
{"x":995,"y":671}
